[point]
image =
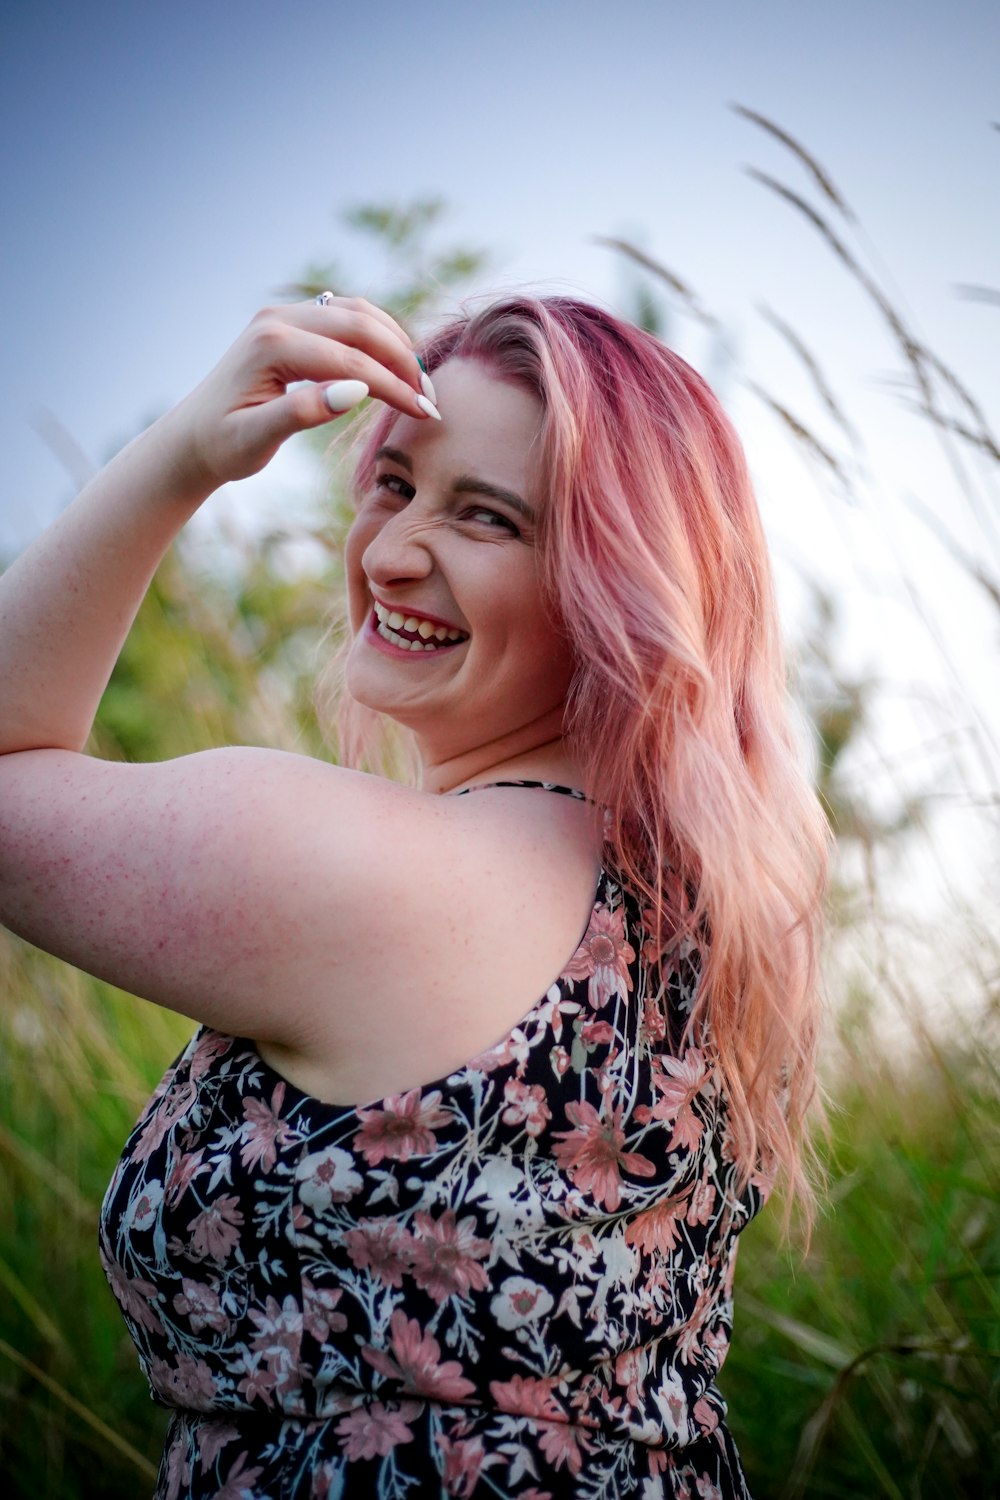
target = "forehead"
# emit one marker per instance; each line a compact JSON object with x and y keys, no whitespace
{"x":489,"y":427}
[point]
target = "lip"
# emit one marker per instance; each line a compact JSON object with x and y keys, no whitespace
{"x":373,"y":638}
{"x":404,"y":609}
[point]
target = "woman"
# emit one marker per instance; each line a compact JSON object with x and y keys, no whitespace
{"x":363,"y":1247}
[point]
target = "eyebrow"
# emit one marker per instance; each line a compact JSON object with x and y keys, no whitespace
{"x":466,"y":484}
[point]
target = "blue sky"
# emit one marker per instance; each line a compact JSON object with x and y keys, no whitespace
{"x":167,"y":167}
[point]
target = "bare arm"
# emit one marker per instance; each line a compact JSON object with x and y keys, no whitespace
{"x":210,"y":884}
{"x":342,"y":918}
{"x":67,"y":604}
{"x":185,"y":881}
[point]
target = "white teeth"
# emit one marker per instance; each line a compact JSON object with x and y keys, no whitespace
{"x":388,"y":634}
{"x":390,"y":621}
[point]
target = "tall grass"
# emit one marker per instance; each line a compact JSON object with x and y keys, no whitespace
{"x":874,"y":1367}
{"x":871,"y":1368}
{"x":78,"y":1062}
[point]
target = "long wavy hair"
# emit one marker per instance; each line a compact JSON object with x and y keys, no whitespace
{"x":655,"y":564}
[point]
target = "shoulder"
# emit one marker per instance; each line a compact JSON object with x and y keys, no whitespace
{"x":365,"y":831}
{"x":246,"y":887}
{"x":195,"y":882}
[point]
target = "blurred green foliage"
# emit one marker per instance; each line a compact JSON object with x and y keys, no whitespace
{"x":870,"y":1368}
{"x":874,"y":1368}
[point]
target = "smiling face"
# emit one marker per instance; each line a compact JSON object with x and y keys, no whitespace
{"x":452,"y":637}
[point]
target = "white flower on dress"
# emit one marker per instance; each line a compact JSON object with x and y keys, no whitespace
{"x":326,"y":1177}
{"x":671,"y":1400}
{"x":520,"y":1301}
{"x":144,"y":1204}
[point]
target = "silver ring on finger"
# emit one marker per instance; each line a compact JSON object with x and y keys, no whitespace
{"x":324,"y":299}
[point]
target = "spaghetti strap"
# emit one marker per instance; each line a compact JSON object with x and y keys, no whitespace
{"x":544,"y":786}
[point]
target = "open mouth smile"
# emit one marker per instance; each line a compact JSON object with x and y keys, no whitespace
{"x":414,"y":632}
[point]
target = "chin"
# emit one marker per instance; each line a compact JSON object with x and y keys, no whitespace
{"x":358,"y":685}
{"x":363,"y":686}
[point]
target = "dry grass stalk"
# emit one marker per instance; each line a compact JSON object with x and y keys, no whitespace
{"x":811,"y":363}
{"x":820,"y":176}
{"x":680,"y":287}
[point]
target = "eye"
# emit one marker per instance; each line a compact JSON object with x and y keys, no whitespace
{"x":492,"y":518}
{"x":394,"y":484}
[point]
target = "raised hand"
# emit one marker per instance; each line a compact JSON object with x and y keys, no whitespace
{"x":293,"y":368}
{"x":66,"y":604}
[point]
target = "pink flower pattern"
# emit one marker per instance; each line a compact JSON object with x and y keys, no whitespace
{"x":198,"y":1302}
{"x":376,"y":1429}
{"x":404,"y":1128}
{"x":526,"y":1105}
{"x":514,"y":1281}
{"x":528,"y":1396}
{"x":184,"y":1168}
{"x":463,"y":1463}
{"x":592,"y":1153}
{"x":415,"y":1360}
{"x":265,"y":1131}
{"x":446,"y":1259}
{"x":215,"y":1232}
{"x":655,"y":1231}
{"x":382,"y":1248}
{"x":604,"y":956}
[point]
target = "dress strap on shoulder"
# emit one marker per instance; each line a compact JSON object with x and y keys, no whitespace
{"x":545,"y":786}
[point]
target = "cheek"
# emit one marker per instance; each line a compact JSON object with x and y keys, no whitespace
{"x":559,"y":664}
{"x":545,"y":647}
{"x":554,"y":645}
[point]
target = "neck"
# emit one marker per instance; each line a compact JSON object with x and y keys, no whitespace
{"x":535,"y":752}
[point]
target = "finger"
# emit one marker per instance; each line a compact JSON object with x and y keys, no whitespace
{"x":296,"y":354}
{"x":259,"y":431}
{"x":341,"y":395}
{"x":359,"y":330}
{"x":352,"y":320}
{"x":362,"y":305}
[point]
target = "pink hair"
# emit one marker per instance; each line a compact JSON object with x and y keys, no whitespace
{"x":655,"y":562}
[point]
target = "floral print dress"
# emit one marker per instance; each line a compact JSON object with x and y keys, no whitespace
{"x":515,"y":1281}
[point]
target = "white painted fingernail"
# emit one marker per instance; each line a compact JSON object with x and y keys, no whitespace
{"x":343,"y":394}
{"x":427,"y":386}
{"x":429,"y":408}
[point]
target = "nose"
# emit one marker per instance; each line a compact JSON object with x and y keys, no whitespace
{"x":398,"y":552}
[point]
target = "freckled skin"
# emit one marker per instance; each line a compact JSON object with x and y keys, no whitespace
{"x":369,"y":936}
